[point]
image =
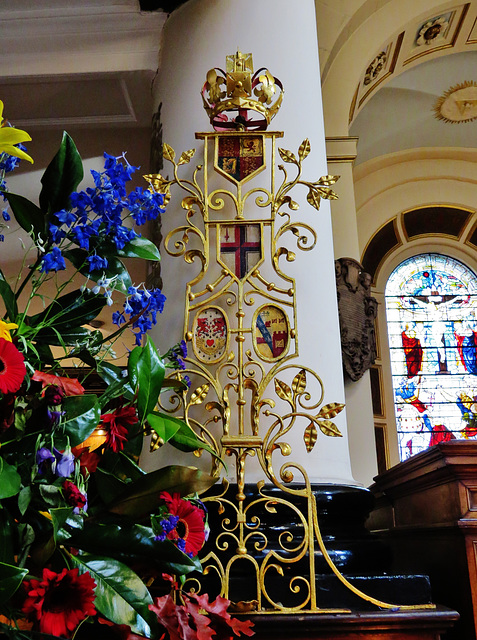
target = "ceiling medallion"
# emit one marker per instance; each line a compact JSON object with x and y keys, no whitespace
{"x":458,"y":104}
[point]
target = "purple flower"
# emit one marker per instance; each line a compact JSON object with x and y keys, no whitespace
{"x":65,"y":463}
{"x":43,"y":456}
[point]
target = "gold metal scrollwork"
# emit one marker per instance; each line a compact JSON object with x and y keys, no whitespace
{"x":246,"y":394}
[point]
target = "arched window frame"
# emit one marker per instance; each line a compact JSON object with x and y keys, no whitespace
{"x":386,"y":423}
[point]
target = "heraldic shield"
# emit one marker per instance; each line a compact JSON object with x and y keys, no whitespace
{"x":240,"y":248}
{"x":239,"y":157}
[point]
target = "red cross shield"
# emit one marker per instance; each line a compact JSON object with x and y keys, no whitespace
{"x":240,"y":248}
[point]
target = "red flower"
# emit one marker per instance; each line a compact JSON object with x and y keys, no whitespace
{"x":89,"y":460}
{"x":59,"y":602}
{"x":73,"y":495}
{"x":116,"y":424}
{"x":190,"y":526}
{"x":12,"y":367}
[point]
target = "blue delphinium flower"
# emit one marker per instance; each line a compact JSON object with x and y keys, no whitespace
{"x":52,"y":261}
{"x":145,"y":304}
{"x":96,"y":263}
{"x":168,"y":525}
{"x":176,"y":355}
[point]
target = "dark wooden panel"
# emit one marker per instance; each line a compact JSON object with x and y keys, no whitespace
{"x":382,"y":242}
{"x":445,"y":220}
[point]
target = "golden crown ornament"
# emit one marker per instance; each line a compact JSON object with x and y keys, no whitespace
{"x":228,"y":95}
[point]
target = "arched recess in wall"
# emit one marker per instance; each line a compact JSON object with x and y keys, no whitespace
{"x":437,"y":229}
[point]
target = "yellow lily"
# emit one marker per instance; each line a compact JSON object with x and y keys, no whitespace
{"x":10,"y":136}
{"x":5,"y":328}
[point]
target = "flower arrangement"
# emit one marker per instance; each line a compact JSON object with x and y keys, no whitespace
{"x":86,"y":534}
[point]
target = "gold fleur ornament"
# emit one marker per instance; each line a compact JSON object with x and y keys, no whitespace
{"x":10,"y":136}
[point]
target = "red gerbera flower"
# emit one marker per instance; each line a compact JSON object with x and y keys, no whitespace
{"x":117,"y":425}
{"x":12,"y":367}
{"x":57,"y":603}
{"x":190,"y":526}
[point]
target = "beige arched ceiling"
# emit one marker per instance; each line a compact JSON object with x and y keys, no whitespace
{"x":401,"y":115}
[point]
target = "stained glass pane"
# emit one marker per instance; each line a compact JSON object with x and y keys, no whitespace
{"x":431,"y":309}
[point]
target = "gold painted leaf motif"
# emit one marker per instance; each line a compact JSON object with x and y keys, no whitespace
{"x":327,"y":180}
{"x":282,"y":390}
{"x":313,"y":198}
{"x":168,"y":152}
{"x":327,"y":193}
{"x":330,"y":410}
{"x":186,"y":156}
{"x":329,"y":428}
{"x":287,"y":156}
{"x":310,"y":436}
{"x":304,"y":149}
{"x":198,"y":396}
{"x":299,"y":382}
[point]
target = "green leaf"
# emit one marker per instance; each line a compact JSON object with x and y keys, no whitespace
{"x":121,"y":596}
{"x":185,"y":439}
{"x":50,"y":493}
{"x":8,"y":298}
{"x":62,"y":176}
{"x":163,"y":425}
{"x":70,"y":311}
{"x":108,"y":485}
{"x":142,"y":496}
{"x":10,"y":480}
{"x":140,"y":248}
{"x":59,"y":518}
{"x":132,"y":543}
{"x":27,"y":214}
{"x":24,"y":499}
{"x":11,"y":578}
{"x":116,"y":269}
{"x":7,"y":530}
{"x":68,"y":337}
{"x":146,"y":372}
{"x":83,"y":414}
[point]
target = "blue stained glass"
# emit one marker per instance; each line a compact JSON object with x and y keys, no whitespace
{"x":431,"y":309}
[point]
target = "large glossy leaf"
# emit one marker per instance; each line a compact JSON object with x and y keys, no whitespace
{"x":115,"y":269}
{"x":11,"y":578}
{"x":27,"y":214}
{"x":68,"y":337}
{"x":61,"y":177}
{"x":142,"y":496}
{"x":108,"y":485}
{"x":8,"y":298}
{"x":59,"y":517}
{"x":131,"y":543}
{"x":186,"y":440}
{"x":121,"y":596}
{"x":140,"y":248}
{"x":146,"y":372}
{"x":71,"y":310}
{"x":121,"y":465}
{"x":163,"y":425}
{"x":10,"y":480}
{"x":83,"y":414}
{"x":7,"y":528}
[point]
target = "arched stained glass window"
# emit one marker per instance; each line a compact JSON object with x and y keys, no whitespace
{"x":431,"y":309}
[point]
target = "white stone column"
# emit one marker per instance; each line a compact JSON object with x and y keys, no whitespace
{"x":341,"y":153}
{"x":282,"y":37}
